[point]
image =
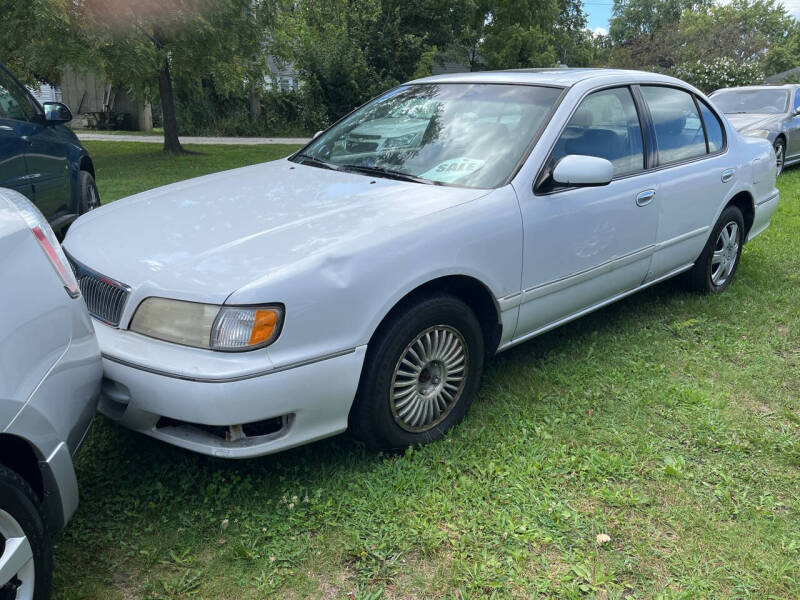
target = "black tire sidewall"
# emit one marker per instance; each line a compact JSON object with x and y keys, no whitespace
{"x":18,"y":499}
{"x":85,"y":182}
{"x":371,"y":418}
{"x":731,"y":213}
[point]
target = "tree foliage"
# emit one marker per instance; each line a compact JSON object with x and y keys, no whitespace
{"x":709,"y":44}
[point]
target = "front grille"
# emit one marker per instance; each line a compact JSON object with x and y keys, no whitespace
{"x":104,"y":296}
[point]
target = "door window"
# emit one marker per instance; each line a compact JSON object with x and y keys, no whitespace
{"x":713,"y":128}
{"x":605,"y":125}
{"x":13,"y":101}
{"x":797,"y":99}
{"x":679,"y":130}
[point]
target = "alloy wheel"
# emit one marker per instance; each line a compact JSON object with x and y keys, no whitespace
{"x":17,"y":570}
{"x":726,"y":253}
{"x":94,"y":199}
{"x":780,"y":153}
{"x":429,"y":378}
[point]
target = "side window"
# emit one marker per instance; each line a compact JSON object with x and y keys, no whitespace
{"x":13,"y":101}
{"x":605,"y":125}
{"x":713,"y":128}
{"x":679,"y":131}
{"x":797,"y":99}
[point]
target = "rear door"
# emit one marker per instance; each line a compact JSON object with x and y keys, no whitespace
{"x":694,"y":172}
{"x":13,"y":124}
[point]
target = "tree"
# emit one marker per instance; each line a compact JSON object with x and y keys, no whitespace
{"x":632,"y":19}
{"x":742,"y":31}
{"x":747,"y":37}
{"x":785,"y":55}
{"x":524,"y":33}
{"x":145,"y":45}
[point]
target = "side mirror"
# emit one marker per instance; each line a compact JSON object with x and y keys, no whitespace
{"x":56,"y":113}
{"x":316,"y":135}
{"x":583,"y":171}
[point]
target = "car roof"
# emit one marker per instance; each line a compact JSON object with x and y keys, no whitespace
{"x":562,"y":77}
{"x":785,"y":86}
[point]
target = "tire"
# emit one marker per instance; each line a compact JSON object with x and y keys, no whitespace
{"x":88,"y":196}
{"x":21,"y":518}
{"x":714,"y":269}
{"x":780,"y":154}
{"x":395,"y":410}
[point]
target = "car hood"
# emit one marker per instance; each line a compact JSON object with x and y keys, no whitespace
{"x":205,"y":238}
{"x":743,"y":122}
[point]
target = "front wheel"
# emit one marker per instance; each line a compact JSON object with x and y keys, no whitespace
{"x":422,"y":371}
{"x":88,"y":196}
{"x":25,"y":555}
{"x":780,"y":154}
{"x":717,"y":264}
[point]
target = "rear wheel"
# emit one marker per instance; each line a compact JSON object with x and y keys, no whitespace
{"x":717,"y":264}
{"x":421,"y":374}
{"x":25,"y":555}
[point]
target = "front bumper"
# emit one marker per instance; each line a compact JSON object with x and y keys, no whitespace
{"x":238,"y":415}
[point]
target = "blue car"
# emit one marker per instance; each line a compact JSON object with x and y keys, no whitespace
{"x":41,"y":157}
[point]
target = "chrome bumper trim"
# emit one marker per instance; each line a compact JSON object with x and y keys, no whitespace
{"x":200,"y":379}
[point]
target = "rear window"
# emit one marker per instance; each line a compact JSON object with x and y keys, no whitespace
{"x":679,"y":130}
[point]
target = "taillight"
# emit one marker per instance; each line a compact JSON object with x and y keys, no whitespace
{"x":45,"y":237}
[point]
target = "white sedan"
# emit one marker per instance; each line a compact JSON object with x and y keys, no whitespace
{"x":361,"y":283}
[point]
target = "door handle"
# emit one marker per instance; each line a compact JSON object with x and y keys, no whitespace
{"x":646,"y":197}
{"x":727,"y":175}
{"x":6,"y":128}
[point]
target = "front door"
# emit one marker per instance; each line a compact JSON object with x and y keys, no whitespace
{"x":586,"y":245}
{"x":793,"y":129}
{"x":13,"y":121}
{"x":46,"y":162}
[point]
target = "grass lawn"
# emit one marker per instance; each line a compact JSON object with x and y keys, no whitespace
{"x":669,"y":422}
{"x":125,"y":168}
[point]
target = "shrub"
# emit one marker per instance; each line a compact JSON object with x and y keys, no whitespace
{"x":719,"y":73}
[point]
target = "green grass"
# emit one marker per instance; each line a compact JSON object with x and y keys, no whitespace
{"x":155,"y":131}
{"x":669,"y":421}
{"x":125,"y":168}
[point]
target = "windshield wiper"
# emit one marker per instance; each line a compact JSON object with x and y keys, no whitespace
{"x":388,"y":173}
{"x":307,"y":159}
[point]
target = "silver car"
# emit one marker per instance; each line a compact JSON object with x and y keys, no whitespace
{"x":771,"y":112}
{"x":50,"y":372}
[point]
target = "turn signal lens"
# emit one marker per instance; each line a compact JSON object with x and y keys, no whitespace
{"x":245,"y":328}
{"x":263,"y":327}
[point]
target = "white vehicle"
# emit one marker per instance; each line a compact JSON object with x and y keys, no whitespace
{"x":261,"y":308}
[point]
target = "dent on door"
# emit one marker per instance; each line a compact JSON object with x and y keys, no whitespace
{"x":583,"y":246}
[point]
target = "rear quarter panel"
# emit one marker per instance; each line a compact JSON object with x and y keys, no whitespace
{"x":35,"y":320}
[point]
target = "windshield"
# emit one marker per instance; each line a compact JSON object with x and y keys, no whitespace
{"x":769,"y":102}
{"x":459,"y":134}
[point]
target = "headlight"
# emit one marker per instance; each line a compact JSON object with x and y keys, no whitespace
{"x":225,"y":328}
{"x":760,"y":133}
